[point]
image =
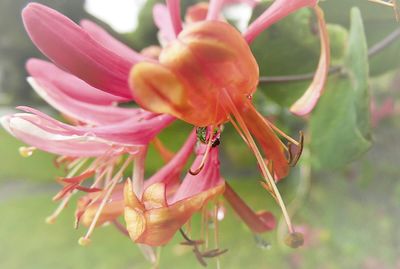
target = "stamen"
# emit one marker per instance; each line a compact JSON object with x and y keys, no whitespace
{"x":83,"y":241}
{"x":75,"y":166}
{"x":52,"y":218}
{"x":266,"y":173}
{"x":294,"y":240}
{"x":138,"y":172}
{"x":239,"y":131}
{"x":216,"y":252}
{"x":196,"y":250}
{"x":281,"y":133}
{"x":204,"y":159}
{"x":26,"y":151}
{"x":295,"y":151}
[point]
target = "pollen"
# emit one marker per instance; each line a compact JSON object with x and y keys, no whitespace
{"x":83,"y":241}
{"x":51,"y":220}
{"x":26,"y":151}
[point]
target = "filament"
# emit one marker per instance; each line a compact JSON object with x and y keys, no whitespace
{"x":85,"y":240}
{"x":204,"y":159}
{"x":266,"y":173}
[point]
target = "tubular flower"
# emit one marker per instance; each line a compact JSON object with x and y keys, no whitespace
{"x":204,"y":73}
{"x":207,"y":75}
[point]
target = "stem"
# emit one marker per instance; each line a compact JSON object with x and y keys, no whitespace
{"x":375,"y":49}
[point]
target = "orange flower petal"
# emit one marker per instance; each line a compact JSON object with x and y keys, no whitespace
{"x":157,"y":226}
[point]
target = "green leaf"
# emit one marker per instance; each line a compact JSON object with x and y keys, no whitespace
{"x":356,"y":65}
{"x":340,"y":124}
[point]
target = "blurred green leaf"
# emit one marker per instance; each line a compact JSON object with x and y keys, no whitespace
{"x":340,"y":125}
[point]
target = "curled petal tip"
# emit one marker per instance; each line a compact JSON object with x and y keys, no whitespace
{"x":306,"y":103}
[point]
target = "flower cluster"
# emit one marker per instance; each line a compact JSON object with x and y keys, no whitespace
{"x":204,"y":74}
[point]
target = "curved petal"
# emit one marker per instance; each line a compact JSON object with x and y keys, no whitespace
{"x":309,"y":99}
{"x":175,"y":15}
{"x":137,"y":130}
{"x":214,"y":9}
{"x":109,"y":42}
{"x":69,"y":84}
{"x":257,"y":222}
{"x":26,"y":127}
{"x":278,"y":10}
{"x":72,"y":48}
{"x":84,"y":112}
{"x":208,"y":177}
{"x":163,"y":21}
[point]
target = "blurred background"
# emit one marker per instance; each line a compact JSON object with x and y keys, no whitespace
{"x":344,"y":195}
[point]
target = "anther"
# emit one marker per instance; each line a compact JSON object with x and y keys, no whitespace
{"x":294,"y":240}
{"x":26,"y":151}
{"x":203,"y":160}
{"x":51,"y":220}
{"x":294,"y":151}
{"x":84,"y":241}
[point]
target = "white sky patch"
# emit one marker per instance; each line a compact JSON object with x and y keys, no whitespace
{"x":121,"y":15}
{"x":240,"y":13}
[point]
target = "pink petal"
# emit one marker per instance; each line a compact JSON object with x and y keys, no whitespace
{"x":163,"y":21}
{"x":214,"y":9}
{"x":69,"y":84}
{"x":72,"y":48}
{"x":307,"y":102}
{"x":174,"y":167}
{"x":175,"y":15}
{"x":208,"y":178}
{"x":134,"y":130}
{"x":110,"y":43}
{"x":70,"y":144}
{"x":278,"y":10}
{"x":137,"y":130}
{"x":84,"y":112}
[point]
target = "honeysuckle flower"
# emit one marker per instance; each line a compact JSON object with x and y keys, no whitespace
{"x":204,"y":73}
{"x":207,"y":75}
